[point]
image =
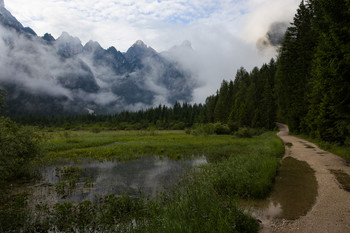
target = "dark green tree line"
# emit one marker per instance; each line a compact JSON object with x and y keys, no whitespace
{"x":294,"y":69}
{"x":329,"y":114}
{"x":248,"y":101}
{"x":313,"y":72}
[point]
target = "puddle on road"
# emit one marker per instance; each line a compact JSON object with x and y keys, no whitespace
{"x":92,"y":179}
{"x":294,"y":193}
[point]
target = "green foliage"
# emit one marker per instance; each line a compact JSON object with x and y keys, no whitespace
{"x":2,"y":100}
{"x":247,"y":102}
{"x":18,"y":147}
{"x":246,"y":132}
{"x":204,"y":201}
{"x":294,"y":69}
{"x":244,"y":176}
{"x":178,"y":117}
{"x":311,"y":83}
{"x":13,"y":213}
{"x":329,"y":114}
{"x":220,"y":129}
{"x":203,"y":129}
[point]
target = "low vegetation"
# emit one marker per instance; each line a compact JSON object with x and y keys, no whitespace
{"x":204,"y":200}
{"x":18,"y":147}
{"x":128,"y":145}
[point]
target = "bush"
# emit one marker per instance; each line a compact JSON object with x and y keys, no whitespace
{"x":177,"y":126}
{"x":18,"y":146}
{"x":233,"y":126}
{"x":203,"y":129}
{"x":221,"y":129}
{"x":246,"y":132}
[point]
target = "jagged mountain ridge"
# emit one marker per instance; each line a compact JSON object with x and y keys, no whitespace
{"x":52,"y":76}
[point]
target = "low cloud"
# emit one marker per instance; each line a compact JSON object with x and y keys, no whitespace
{"x":273,"y":37}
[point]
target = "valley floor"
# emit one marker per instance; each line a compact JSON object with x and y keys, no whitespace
{"x":331,"y":212}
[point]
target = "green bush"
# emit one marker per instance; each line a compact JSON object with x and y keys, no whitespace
{"x":246,"y":132}
{"x":203,"y":129}
{"x":221,"y":129}
{"x":18,"y":146}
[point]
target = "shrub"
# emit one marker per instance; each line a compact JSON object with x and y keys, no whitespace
{"x":246,"y":132}
{"x":18,"y":146}
{"x":203,"y":129}
{"x":221,"y":129}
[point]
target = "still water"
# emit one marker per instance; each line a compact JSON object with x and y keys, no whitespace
{"x":90,"y":180}
{"x":293,"y":195}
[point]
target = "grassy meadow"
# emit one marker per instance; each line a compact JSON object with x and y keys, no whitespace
{"x":205,"y":200}
{"x":128,"y":145}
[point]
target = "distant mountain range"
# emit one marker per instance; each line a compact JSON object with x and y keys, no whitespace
{"x":49,"y":76}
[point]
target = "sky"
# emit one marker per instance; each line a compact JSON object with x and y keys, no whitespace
{"x":223,"y":33}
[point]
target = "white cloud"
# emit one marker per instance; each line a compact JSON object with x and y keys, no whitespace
{"x":223,"y":32}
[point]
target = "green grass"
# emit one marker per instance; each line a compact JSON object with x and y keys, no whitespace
{"x":204,"y":201}
{"x":132,"y":145}
{"x":207,"y":200}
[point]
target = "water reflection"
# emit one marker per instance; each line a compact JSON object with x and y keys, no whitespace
{"x":293,"y":195}
{"x":147,"y":176}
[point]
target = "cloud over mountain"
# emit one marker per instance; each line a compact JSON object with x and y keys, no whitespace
{"x":56,"y":76}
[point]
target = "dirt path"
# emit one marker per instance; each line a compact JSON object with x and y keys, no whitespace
{"x":331,"y":212}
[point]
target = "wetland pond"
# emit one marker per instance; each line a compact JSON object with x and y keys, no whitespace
{"x":90,"y":180}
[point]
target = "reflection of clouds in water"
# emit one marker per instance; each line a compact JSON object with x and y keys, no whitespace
{"x":274,"y":210}
{"x":148,"y":175}
{"x":162,"y":173}
{"x":267,"y":210}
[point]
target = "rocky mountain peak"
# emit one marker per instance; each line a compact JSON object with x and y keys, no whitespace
{"x":140,"y":43}
{"x":48,"y":37}
{"x":92,"y":46}
{"x":69,"y":45}
{"x":68,"y":38}
{"x":8,"y":20}
{"x":138,"y":51}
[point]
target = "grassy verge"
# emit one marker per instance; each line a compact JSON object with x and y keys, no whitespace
{"x":340,"y":150}
{"x":204,"y":201}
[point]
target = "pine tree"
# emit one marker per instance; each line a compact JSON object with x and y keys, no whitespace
{"x":294,"y":69}
{"x":329,"y":114}
{"x":222,"y":108}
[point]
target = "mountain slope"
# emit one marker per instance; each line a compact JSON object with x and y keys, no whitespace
{"x":43,"y":73}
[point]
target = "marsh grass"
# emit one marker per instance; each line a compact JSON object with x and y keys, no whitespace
{"x":205,"y":200}
{"x":134,"y":144}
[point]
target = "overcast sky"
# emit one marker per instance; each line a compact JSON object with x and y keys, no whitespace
{"x":223,"y":32}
